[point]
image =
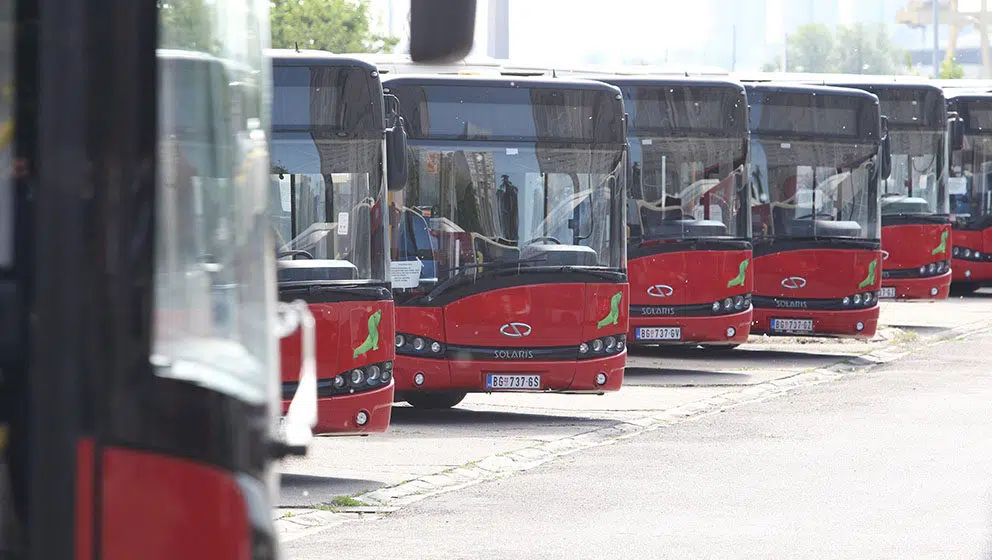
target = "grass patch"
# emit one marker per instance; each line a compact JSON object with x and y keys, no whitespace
{"x":341,"y":502}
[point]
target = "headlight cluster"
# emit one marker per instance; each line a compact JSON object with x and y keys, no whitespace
{"x":603,"y":346}
{"x":361,"y":378}
{"x":934,"y":268}
{"x":970,"y":255}
{"x":732,"y":304}
{"x":413,"y":345}
{"x":864,"y":299}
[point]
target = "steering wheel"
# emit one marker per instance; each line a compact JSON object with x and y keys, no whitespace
{"x":815,"y":216}
{"x":543,"y":238}
{"x":296,"y":253}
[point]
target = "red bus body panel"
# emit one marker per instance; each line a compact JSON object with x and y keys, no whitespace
{"x":972,"y":271}
{"x":910,"y":247}
{"x":553,"y":312}
{"x":696,"y":277}
{"x":199,"y":510}
{"x":341,"y":327}
{"x":829,"y":274}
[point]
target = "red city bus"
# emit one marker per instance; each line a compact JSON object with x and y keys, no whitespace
{"x":508,"y":242}
{"x":970,"y":188}
{"x":328,"y":194}
{"x":817,"y":156}
{"x":916,"y":228}
{"x":688,"y":217}
{"x":137,"y":280}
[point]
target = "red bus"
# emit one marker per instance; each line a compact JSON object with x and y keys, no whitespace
{"x":970,"y":188}
{"x":817,"y":157}
{"x":916,"y":227}
{"x":688,"y":217}
{"x":508,"y":242}
{"x":137,"y":280}
{"x":329,"y":181}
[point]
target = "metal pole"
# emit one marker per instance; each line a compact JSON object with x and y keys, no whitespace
{"x":936,"y":42}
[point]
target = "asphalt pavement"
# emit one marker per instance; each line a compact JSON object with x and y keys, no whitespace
{"x":892,"y":462}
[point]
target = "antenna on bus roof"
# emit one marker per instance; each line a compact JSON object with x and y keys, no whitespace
{"x":297,"y":46}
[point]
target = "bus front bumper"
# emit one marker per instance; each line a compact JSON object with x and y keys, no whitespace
{"x":971,"y":271}
{"x":581,"y":376}
{"x":934,"y":287}
{"x":709,"y":330}
{"x":855,"y":323}
{"x":341,"y":414}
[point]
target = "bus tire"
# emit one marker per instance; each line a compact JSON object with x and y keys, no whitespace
{"x":435,"y":400}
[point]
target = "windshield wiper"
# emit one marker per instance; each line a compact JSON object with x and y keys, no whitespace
{"x":491,"y":269}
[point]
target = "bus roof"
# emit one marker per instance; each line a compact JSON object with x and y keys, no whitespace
{"x":290,"y":57}
{"x":773,"y":87}
{"x":662,"y":81}
{"x":500,"y":81}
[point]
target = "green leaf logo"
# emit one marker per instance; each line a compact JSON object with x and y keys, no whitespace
{"x":942,"y":248}
{"x":372,"y":340}
{"x":613,"y":317}
{"x":870,"y":279}
{"x":739,"y":279}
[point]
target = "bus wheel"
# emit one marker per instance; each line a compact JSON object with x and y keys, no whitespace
{"x":434,"y":401}
{"x":963,"y":288}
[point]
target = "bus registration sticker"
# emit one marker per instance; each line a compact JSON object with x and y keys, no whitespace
{"x":795,"y":326}
{"x":658,"y":333}
{"x":501,"y":381}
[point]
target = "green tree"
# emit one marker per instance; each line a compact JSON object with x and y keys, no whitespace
{"x":866,"y":49}
{"x":810,"y":49}
{"x":186,"y":24}
{"x":950,"y":70}
{"x":340,"y":26}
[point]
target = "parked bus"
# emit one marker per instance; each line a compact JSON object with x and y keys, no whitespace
{"x":817,"y":157}
{"x":329,"y":188}
{"x":137,"y":280}
{"x":688,"y":215}
{"x":970,"y":188}
{"x":508,"y":242}
{"x":916,"y":227}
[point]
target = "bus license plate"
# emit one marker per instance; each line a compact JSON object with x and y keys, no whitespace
{"x":792,"y":325}
{"x":658,"y":333}
{"x":526,"y":382}
{"x":889,"y":292}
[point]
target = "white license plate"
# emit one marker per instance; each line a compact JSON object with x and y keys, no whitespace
{"x":792,"y":325}
{"x":887,"y":292}
{"x":658,"y":333}
{"x":500,"y":381}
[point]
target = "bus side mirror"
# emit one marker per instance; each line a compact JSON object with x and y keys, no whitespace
{"x":886,"y":150}
{"x":441,"y":30}
{"x":397,"y":166}
{"x":955,"y":130}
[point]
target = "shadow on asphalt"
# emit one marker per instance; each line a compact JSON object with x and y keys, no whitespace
{"x":304,"y":490}
{"x":408,"y":416}
{"x":682,"y":376}
{"x":738,"y":356}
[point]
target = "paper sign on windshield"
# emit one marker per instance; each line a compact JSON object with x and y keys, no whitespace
{"x":342,"y":223}
{"x":405,"y":274}
{"x":957,"y":185}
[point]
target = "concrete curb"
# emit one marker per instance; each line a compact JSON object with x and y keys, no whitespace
{"x":499,"y":466}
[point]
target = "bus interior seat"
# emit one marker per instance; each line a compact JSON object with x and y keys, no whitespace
{"x":492,"y":250}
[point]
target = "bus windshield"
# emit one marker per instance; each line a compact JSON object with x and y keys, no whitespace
{"x":970,"y":186}
{"x":814,"y":189}
{"x":482,"y":204}
{"x":327,"y":162}
{"x":687,"y":188}
{"x":916,"y":184}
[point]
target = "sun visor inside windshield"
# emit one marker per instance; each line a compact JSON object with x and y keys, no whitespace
{"x":486,"y":113}
{"x":331,"y":102}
